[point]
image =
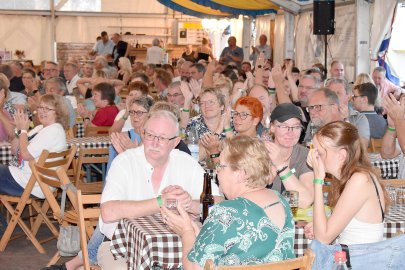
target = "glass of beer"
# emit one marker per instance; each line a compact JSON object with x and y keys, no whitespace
{"x":292,"y":198}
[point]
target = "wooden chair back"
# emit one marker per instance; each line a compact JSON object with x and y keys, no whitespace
{"x":50,"y":180}
{"x":70,"y":133}
{"x":393,"y":182}
{"x":92,"y":131}
{"x":375,"y":145}
{"x":86,"y":215}
{"x":88,"y":156}
{"x":49,"y":160}
{"x":303,"y":263}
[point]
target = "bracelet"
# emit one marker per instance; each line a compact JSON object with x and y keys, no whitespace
{"x":391,"y":129}
{"x":318,"y":181}
{"x":159,"y":200}
{"x":281,"y":170}
{"x":285,"y":176}
{"x":215,"y":155}
{"x":184,"y":110}
{"x":228,"y":130}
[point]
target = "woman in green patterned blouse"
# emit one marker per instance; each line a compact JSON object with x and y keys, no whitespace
{"x":254,"y":226}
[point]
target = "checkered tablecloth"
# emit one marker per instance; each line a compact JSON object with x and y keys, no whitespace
{"x":90,"y":142}
{"x":146,"y":242}
{"x":80,"y":130}
{"x":389,"y":167}
{"x":394,"y":225}
{"x":5,"y":154}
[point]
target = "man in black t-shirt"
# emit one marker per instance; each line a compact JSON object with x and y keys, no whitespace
{"x":121,"y":48}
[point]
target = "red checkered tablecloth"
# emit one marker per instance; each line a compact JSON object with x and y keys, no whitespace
{"x":394,"y":225}
{"x":146,"y":242}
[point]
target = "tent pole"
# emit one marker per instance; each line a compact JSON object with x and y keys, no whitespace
{"x":326,"y":55}
{"x":53,"y":41}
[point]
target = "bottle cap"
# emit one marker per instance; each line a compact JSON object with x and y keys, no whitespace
{"x":340,"y":256}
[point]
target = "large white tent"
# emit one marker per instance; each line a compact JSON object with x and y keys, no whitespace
{"x":36,"y":26}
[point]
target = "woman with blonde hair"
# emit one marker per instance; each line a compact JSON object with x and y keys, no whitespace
{"x":28,"y":145}
{"x":125,"y":70}
{"x":363,"y":78}
{"x":253,"y":217}
{"x":204,"y":52}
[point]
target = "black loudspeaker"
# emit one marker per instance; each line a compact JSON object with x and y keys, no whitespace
{"x":324,"y":17}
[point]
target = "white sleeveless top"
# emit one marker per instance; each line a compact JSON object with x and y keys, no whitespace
{"x":358,"y":232}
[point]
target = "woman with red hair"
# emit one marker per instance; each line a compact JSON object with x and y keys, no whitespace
{"x":247,"y":114}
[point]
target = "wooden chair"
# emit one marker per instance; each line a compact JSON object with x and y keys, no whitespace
{"x":47,"y":160}
{"x":88,"y":157}
{"x":70,"y":133}
{"x":49,"y":180}
{"x":92,"y":131}
{"x":393,"y":182}
{"x":303,"y":263}
{"x":86,"y":216}
{"x":375,"y":146}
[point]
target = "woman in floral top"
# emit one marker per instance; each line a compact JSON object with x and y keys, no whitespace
{"x":210,"y":123}
{"x":254,"y":226}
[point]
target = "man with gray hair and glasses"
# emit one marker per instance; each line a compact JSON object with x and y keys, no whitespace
{"x":141,"y":179}
{"x":323,"y":108}
{"x":343,"y":90}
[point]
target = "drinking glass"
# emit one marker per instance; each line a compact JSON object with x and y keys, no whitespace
{"x":400,"y":195}
{"x":392,"y":193}
{"x":292,"y":198}
{"x":171,"y":204}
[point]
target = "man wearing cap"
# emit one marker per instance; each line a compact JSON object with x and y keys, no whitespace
{"x":289,"y":159}
{"x":363,"y":98}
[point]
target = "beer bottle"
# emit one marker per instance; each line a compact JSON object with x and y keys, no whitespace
{"x":206,"y":198}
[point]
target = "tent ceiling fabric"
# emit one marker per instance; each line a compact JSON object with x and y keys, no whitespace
{"x":190,"y":8}
{"x":250,"y":8}
{"x":221,"y":8}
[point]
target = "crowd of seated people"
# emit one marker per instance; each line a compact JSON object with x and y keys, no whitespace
{"x":254,"y":121}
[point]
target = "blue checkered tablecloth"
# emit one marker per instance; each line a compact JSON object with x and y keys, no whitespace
{"x":394,"y":225}
{"x":145,"y":242}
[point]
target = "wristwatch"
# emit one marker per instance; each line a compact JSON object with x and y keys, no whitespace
{"x":18,"y":132}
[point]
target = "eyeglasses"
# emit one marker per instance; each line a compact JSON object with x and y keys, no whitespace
{"x":241,"y":115}
{"x":174,"y":95}
{"x":207,"y":103}
{"x":317,"y":108}
{"x":46,"y":70}
{"x":136,"y":113}
{"x":354,"y":96}
{"x":162,"y":140}
{"x":286,"y":128}
{"x":306,"y":87}
{"x":219,"y":166}
{"x":45,"y":109}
